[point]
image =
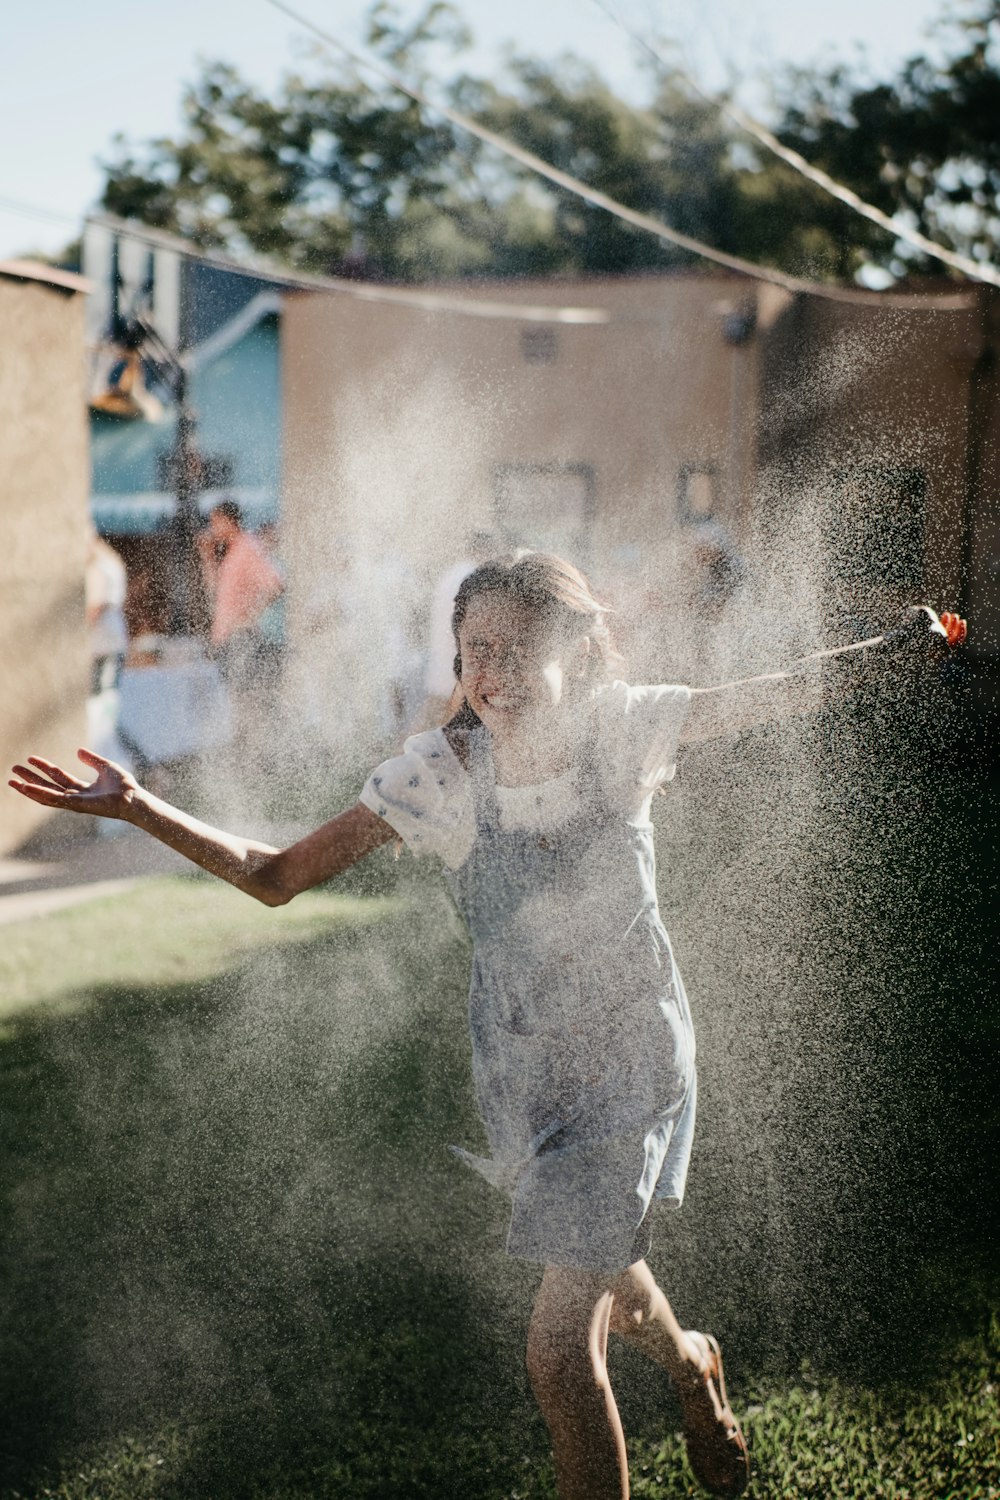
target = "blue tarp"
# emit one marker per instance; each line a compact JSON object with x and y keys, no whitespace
{"x":145,"y":514}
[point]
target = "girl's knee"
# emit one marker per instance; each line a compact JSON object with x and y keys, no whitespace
{"x":635,"y":1297}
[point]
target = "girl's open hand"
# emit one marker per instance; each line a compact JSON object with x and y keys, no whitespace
{"x":946,"y":628}
{"x":954,"y":628}
{"x":107,"y":797}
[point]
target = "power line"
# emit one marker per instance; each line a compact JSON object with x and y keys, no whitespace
{"x":546,"y":169}
{"x":32,"y":210}
{"x":425,"y":301}
{"x":976,"y":270}
{"x":574,"y":185}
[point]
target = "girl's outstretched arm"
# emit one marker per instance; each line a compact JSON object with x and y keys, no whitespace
{"x":270,"y":875}
{"x":732,"y":706}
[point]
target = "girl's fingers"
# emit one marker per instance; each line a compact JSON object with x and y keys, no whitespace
{"x":57,"y":774}
{"x":63,"y":783}
{"x":27,"y":774}
{"x":47,"y":796}
{"x":91,"y":758}
{"x":955,"y":628}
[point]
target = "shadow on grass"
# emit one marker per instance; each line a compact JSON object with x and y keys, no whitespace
{"x":229,"y":1205}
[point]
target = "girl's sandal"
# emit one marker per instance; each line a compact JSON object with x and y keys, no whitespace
{"x":716,"y":1448}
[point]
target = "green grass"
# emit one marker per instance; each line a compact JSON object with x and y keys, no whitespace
{"x":829,"y":1439}
{"x":237,"y":1261}
{"x":173,"y":930}
{"x":817,"y":1440}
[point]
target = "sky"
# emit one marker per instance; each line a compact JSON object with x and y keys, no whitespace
{"x":71,"y":76}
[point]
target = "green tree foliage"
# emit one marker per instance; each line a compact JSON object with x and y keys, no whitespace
{"x":926,"y":145}
{"x":344,"y":175}
{"x":340,"y":175}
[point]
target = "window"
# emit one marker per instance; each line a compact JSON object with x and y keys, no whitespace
{"x":549,"y":506}
{"x":538,"y":344}
{"x":696,"y":493}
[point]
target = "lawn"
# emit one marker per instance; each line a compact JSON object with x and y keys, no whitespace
{"x":238,"y":1260}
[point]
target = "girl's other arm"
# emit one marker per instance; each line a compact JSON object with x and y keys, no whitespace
{"x":270,"y":875}
{"x":730,"y":707}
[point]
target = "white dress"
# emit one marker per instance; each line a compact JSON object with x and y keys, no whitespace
{"x":583,"y":1052}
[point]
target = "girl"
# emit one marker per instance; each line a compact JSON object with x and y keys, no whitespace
{"x":536,"y":795}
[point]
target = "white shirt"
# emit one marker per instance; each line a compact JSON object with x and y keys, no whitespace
{"x":106,"y":583}
{"x":426,"y":794}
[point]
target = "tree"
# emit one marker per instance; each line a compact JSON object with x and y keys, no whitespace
{"x":339,"y":176}
{"x":298,"y":178}
{"x":925,"y":146}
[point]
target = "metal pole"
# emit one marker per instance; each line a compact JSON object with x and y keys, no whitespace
{"x":187,"y":521}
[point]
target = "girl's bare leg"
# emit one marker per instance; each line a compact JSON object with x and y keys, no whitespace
{"x":641,"y":1314}
{"x":716,"y":1448}
{"x":567,"y":1364}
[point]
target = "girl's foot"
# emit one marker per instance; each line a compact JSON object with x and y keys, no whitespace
{"x":716,"y":1448}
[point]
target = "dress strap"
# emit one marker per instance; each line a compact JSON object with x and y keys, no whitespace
{"x":593,"y":779}
{"x":483,"y":777}
{"x":482,"y":773}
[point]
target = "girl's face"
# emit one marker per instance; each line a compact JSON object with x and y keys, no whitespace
{"x":514,"y":673}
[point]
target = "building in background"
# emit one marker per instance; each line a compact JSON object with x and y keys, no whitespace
{"x":646,"y":425}
{"x":222,"y":324}
{"x":884,"y":415}
{"x":44,"y":473}
{"x":197,"y":339}
{"x":721,"y":455}
{"x":825,"y":458}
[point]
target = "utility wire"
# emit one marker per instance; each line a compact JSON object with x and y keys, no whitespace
{"x":14,"y":205}
{"x":426,"y":301}
{"x":573,"y":184}
{"x":976,"y":270}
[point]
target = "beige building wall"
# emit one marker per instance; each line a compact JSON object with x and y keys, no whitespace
{"x":406,"y":428}
{"x":815,"y":430}
{"x":982,"y":527}
{"x":44,"y":482}
{"x":865,"y":425}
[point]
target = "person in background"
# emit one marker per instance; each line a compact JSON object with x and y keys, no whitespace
{"x":105,"y":586}
{"x":439,"y":668}
{"x":241,"y":582}
{"x":722,"y":570}
{"x":271,"y":624}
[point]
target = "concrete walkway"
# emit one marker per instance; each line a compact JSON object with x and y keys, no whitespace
{"x":57,"y":872}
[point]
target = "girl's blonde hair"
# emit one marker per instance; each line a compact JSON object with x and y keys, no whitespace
{"x":555,"y":591}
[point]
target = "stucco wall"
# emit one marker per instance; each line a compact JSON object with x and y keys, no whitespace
{"x":400,"y":425}
{"x":398,"y":421}
{"x":865,"y":409}
{"x":43,"y":519}
{"x":982,"y":558}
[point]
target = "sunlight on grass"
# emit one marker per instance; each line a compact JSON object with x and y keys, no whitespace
{"x":856,"y":1444}
{"x":172,"y":930}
